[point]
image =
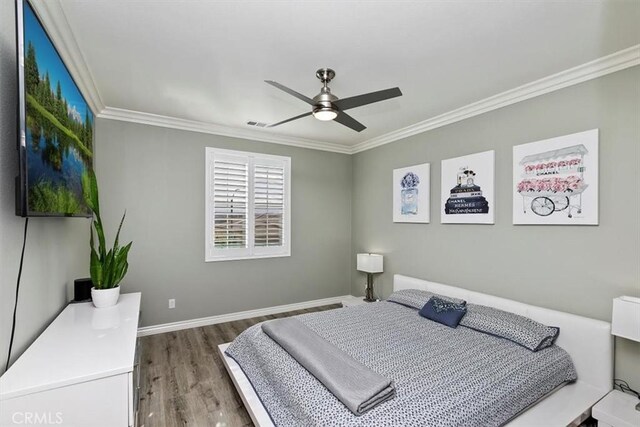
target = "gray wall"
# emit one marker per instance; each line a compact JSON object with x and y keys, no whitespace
{"x":56,"y":251}
{"x":157,"y":175}
{"x":578,"y":269}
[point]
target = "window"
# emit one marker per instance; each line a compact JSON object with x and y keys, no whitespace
{"x":248,"y":213}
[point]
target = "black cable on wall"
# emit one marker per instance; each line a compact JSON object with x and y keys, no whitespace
{"x":15,"y":306}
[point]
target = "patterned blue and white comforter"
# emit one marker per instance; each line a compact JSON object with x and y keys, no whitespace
{"x":443,"y":376}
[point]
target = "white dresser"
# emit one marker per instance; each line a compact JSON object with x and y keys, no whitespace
{"x":82,"y":371}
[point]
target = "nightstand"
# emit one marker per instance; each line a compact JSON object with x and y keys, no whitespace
{"x":350,"y":301}
{"x":617,"y":409}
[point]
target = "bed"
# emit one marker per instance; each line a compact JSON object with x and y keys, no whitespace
{"x":587,"y":341}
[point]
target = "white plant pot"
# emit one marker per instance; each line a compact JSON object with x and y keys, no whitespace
{"x":105,"y":297}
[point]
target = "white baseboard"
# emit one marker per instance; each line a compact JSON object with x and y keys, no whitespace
{"x":230,"y":317}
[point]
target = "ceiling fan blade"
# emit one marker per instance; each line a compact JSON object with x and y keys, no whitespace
{"x":350,"y":122}
{"x":290,"y":91}
{"x":290,"y":120}
{"x":367,"y":98}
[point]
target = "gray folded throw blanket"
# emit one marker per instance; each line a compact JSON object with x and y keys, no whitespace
{"x":355,"y":385}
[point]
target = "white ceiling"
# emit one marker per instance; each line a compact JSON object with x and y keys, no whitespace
{"x":206,"y":60}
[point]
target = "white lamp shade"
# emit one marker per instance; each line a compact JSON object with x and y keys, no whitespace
{"x":625,"y":320}
{"x":370,"y":263}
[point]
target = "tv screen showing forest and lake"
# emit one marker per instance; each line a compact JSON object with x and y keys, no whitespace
{"x":56,"y":129}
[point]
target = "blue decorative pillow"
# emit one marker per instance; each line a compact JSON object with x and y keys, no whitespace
{"x":445,"y":312}
{"x":519,"y":329}
{"x":417,"y":298}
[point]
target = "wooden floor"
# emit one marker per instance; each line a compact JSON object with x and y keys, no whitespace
{"x":184,"y":382}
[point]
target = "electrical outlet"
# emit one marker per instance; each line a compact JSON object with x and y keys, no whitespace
{"x":172,"y":303}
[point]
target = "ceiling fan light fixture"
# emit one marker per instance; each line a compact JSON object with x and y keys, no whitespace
{"x":325,"y":113}
{"x":326,"y":107}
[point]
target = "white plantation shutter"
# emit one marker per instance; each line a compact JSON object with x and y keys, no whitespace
{"x":247,"y":206}
{"x":268,"y":202}
{"x":230,"y":207}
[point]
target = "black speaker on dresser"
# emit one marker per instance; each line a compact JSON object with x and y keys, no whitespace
{"x":82,"y":289}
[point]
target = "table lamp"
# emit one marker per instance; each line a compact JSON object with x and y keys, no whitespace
{"x":369,"y":263}
{"x":625,"y":320}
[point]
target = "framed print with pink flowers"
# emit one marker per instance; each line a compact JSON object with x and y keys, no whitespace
{"x":555,"y":181}
{"x":411,"y":194}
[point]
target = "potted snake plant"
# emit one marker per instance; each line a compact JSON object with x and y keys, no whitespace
{"x":108,"y":266}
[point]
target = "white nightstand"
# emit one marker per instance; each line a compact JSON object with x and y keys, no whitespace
{"x":350,"y":301}
{"x":617,"y":409}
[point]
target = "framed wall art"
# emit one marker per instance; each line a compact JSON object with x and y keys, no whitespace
{"x":555,"y":181}
{"x":411,"y":194}
{"x":467,"y":189}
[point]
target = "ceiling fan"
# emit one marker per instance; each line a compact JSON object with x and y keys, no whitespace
{"x":326,"y":106}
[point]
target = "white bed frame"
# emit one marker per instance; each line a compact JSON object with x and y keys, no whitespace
{"x":588,"y":341}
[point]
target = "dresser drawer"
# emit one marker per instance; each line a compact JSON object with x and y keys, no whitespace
{"x":72,"y":405}
{"x":134,"y":388}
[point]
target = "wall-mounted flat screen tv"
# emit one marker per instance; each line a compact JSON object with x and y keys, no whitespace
{"x":55,"y":126}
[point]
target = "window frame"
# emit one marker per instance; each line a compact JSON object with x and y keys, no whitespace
{"x":251,"y":251}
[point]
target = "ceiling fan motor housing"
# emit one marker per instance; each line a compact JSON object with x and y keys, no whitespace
{"x":323,"y":109}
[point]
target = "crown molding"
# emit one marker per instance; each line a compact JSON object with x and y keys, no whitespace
{"x":591,"y":70}
{"x":55,"y":19}
{"x":602,"y":66}
{"x":52,"y":13}
{"x":210,"y":128}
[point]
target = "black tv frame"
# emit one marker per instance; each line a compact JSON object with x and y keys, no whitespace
{"x":21,"y":181}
